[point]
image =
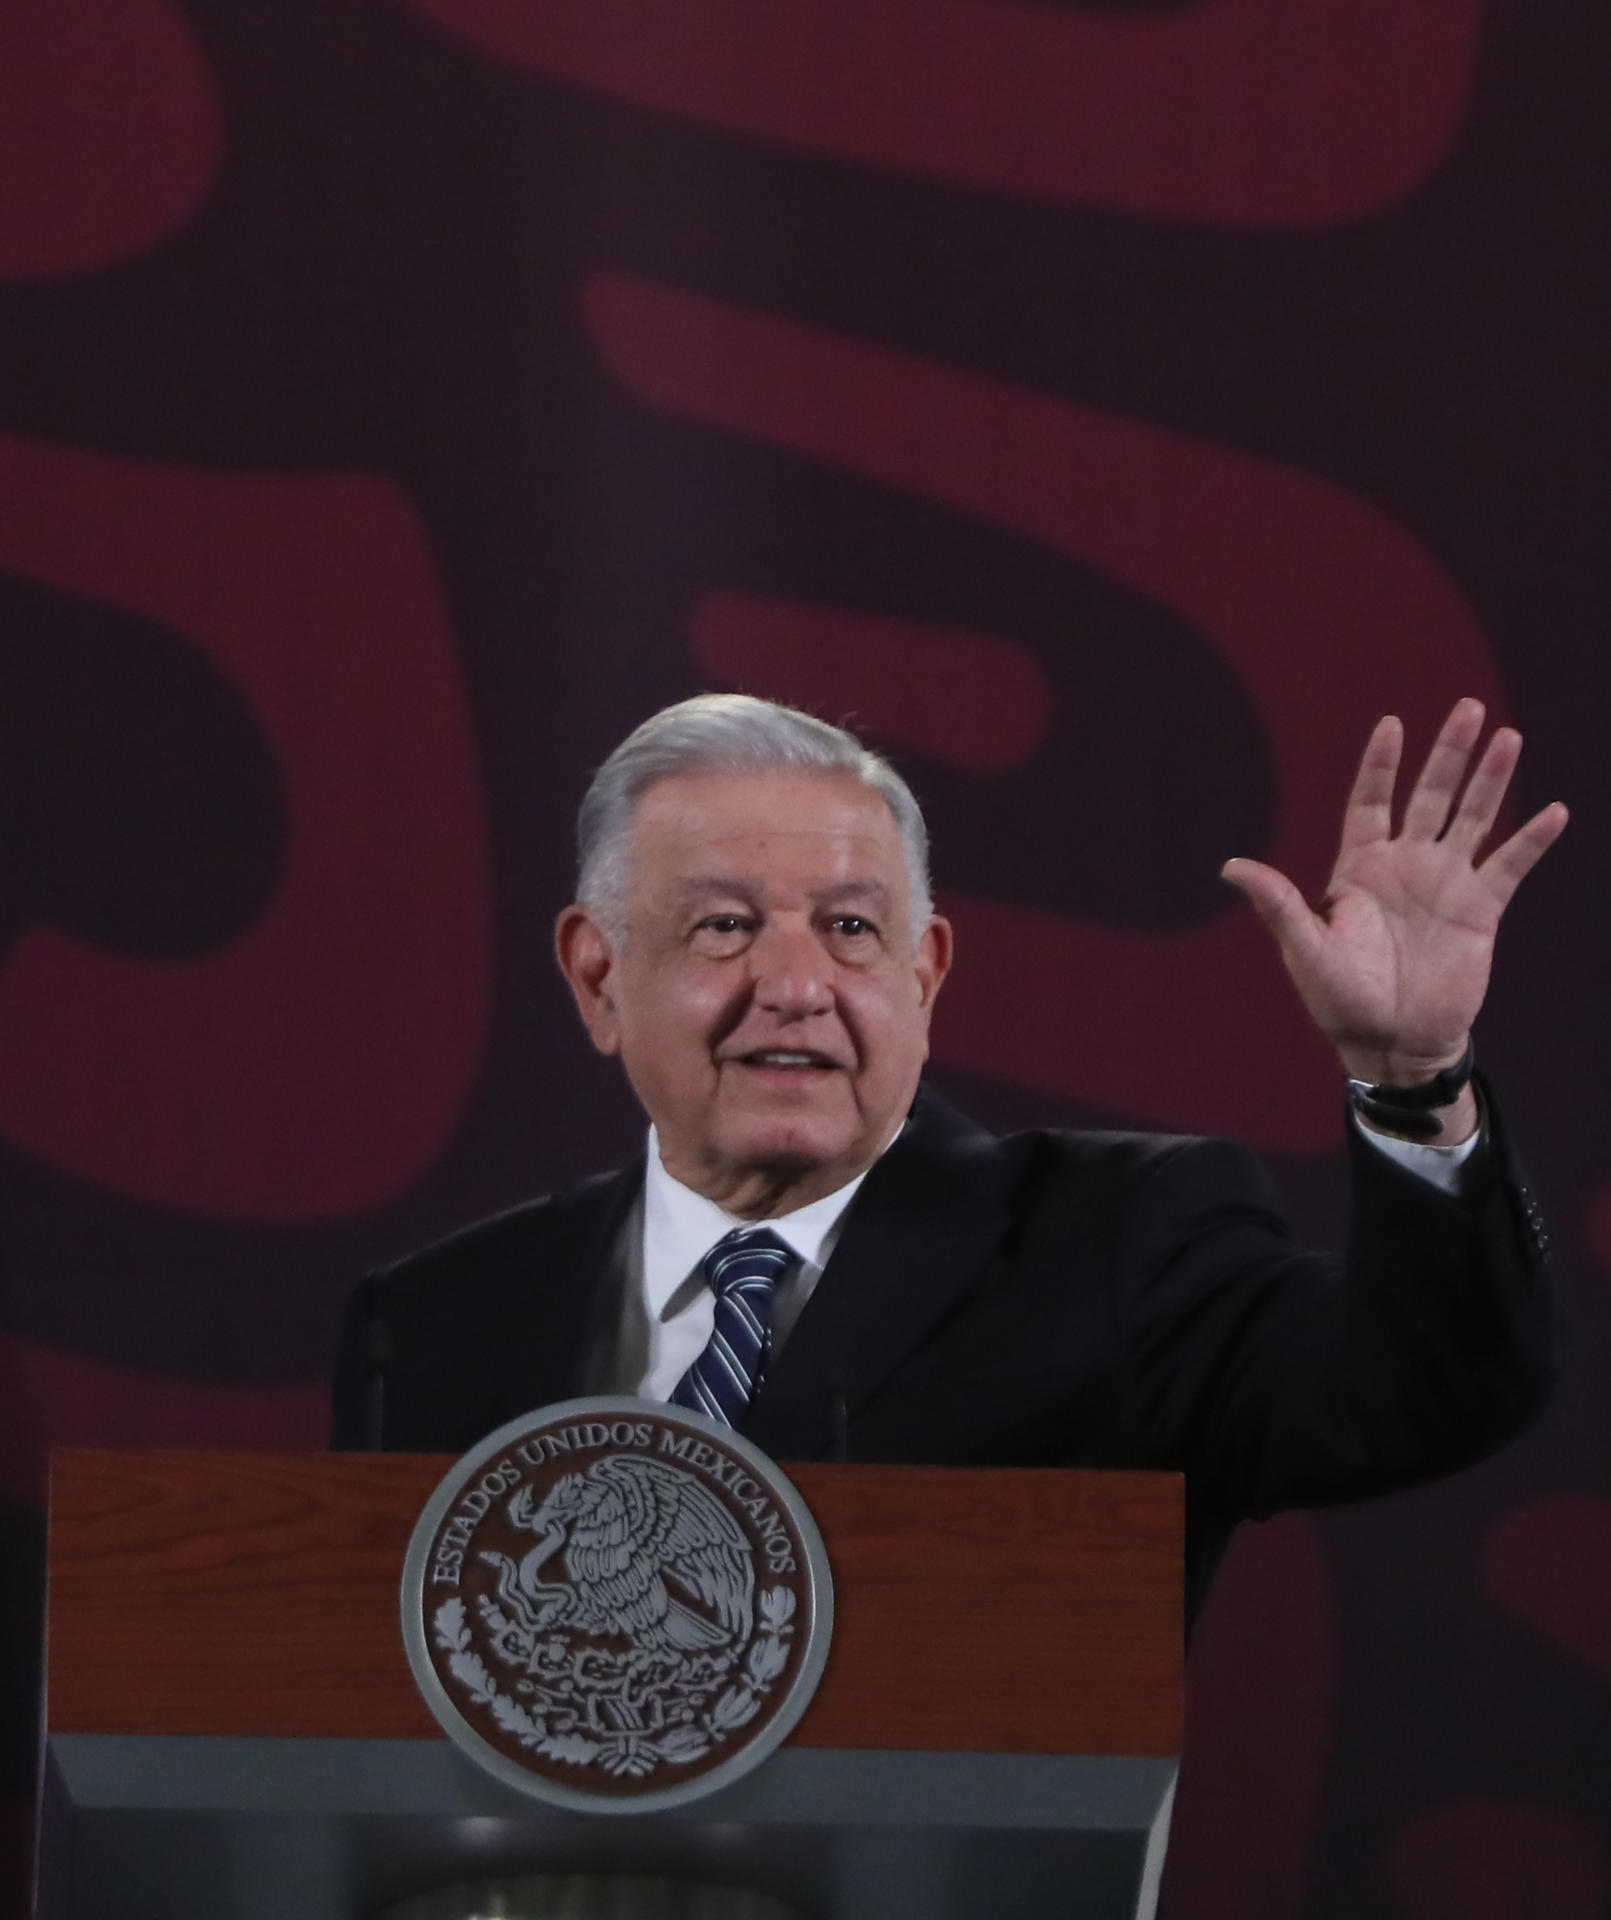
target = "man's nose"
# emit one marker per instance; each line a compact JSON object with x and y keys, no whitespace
{"x":792,"y":971}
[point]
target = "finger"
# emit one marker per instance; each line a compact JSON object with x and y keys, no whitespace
{"x":1509,"y":865}
{"x":1485,"y":792}
{"x":1369,"y":813}
{"x":1426,"y":812}
{"x":1278,"y":903}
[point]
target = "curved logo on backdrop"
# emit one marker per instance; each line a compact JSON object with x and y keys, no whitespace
{"x":615,"y":1605}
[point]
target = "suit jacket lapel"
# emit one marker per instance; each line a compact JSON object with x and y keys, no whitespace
{"x":919,"y":1230}
{"x":579,"y":1299}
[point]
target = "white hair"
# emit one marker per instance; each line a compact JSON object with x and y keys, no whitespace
{"x":727,"y":733}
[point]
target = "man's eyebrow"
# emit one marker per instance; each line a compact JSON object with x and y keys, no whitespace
{"x":704,"y":886}
{"x":701,"y":886}
{"x":874,"y":890}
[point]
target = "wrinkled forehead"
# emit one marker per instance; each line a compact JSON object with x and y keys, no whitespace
{"x":766,"y":831}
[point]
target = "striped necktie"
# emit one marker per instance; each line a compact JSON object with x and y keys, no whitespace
{"x":742,"y":1270}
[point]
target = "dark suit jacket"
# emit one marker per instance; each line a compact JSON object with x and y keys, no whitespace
{"x":1048,"y":1298}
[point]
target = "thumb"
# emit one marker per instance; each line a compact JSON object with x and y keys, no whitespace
{"x":1277,"y":902}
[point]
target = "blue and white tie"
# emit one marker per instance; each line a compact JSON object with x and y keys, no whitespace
{"x":742,"y":1270}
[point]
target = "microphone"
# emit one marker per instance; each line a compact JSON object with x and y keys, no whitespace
{"x":377,"y":1364}
{"x":840,"y":1414}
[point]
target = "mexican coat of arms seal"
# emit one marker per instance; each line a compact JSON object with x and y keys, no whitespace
{"x":616,"y":1605}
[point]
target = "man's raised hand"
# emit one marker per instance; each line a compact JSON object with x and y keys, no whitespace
{"x":1394,"y":962}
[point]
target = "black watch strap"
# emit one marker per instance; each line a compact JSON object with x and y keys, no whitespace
{"x":1412,"y":1110}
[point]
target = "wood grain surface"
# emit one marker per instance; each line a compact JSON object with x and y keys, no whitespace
{"x":257,"y":1593}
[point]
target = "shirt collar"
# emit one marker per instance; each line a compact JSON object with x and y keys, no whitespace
{"x":682,"y":1226}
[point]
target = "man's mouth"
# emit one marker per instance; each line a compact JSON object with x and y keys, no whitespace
{"x":788,"y":1060}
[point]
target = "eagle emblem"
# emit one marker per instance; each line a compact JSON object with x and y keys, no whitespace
{"x":617,"y":1604}
{"x":649,"y":1555}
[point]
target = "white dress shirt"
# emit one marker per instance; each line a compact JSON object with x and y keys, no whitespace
{"x":679,"y":1229}
{"x":681,"y":1226}
{"x":1440,"y":1166}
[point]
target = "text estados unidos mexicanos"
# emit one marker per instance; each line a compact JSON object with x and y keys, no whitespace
{"x":447,"y":1562}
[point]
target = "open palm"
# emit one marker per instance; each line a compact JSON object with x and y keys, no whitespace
{"x":1394,"y":962}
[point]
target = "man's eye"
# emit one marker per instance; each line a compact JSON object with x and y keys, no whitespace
{"x":723,"y":933}
{"x":853,"y":924}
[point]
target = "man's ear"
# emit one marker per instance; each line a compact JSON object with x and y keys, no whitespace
{"x":933,"y":960}
{"x":586,"y":956}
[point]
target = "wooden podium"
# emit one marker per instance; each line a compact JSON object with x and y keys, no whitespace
{"x":231,"y":1728}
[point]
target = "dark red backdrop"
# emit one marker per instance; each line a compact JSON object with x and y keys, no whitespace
{"x":1113,"y":407}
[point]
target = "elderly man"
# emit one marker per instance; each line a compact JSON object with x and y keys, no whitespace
{"x":816,"y":1249}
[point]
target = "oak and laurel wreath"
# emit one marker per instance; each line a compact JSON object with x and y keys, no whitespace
{"x":766,"y":1659}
